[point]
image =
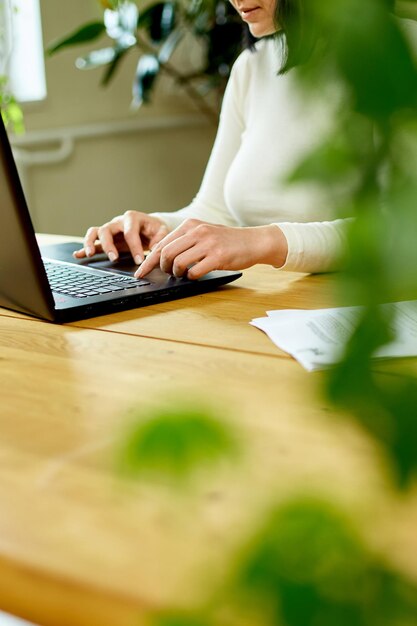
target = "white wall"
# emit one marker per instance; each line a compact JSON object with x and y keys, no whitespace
{"x":156,"y":169}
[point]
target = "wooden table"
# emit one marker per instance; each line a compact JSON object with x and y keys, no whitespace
{"x":78,"y":546}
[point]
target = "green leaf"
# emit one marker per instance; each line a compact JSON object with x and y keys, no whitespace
{"x":307,"y":566}
{"x":329,"y":162}
{"x":11,"y":111}
{"x":401,"y":271}
{"x":113,"y":65}
{"x":175,"y":443}
{"x":383,"y":406}
{"x":370,"y":52}
{"x":351,"y":382}
{"x":146,"y":72}
{"x":159,"y":20}
{"x":368,"y":259}
{"x":406,"y":9}
{"x":399,"y":398}
{"x":88,"y":32}
{"x":13,"y":118}
{"x":96,"y":58}
{"x":170,"y":45}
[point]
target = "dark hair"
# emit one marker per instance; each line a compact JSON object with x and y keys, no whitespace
{"x":289,"y":31}
{"x":297,"y":41}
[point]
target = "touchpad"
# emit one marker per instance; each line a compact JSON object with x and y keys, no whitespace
{"x":124,"y":265}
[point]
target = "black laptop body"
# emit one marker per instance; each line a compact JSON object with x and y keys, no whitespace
{"x":24,"y":283}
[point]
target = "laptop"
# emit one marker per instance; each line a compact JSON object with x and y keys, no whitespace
{"x":51,"y":285}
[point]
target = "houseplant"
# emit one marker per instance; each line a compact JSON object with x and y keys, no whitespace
{"x":332,"y":578}
{"x":10,"y":110}
{"x":153,"y":34}
{"x":306,"y":565}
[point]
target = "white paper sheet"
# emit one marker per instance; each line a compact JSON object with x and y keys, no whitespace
{"x":316,"y":338}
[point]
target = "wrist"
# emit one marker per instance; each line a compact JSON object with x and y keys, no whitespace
{"x":275,"y":246}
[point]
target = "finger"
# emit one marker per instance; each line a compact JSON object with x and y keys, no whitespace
{"x":185,"y":260}
{"x":172,"y":250}
{"x":106,"y":237}
{"x":151,"y":261}
{"x":131,"y":231}
{"x":154,"y":257}
{"x":201,"y":268}
{"x":171,"y":245}
{"x":81,"y":253}
{"x":89,"y":241}
{"x":158,"y":236}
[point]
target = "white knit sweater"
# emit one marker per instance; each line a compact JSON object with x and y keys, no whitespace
{"x":266,"y":126}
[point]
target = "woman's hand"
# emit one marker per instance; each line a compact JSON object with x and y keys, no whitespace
{"x":195,"y":248}
{"x":133,"y":232}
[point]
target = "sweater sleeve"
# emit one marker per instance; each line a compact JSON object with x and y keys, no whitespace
{"x":315,"y":247}
{"x":209,"y":204}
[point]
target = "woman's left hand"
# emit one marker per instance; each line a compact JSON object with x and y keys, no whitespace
{"x":196,"y":248}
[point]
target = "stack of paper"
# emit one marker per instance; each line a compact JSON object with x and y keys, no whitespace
{"x":316,"y":338}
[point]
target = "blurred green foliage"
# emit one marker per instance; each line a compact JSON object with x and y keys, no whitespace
{"x":10,"y":110}
{"x":154,"y":32}
{"x":306,"y":565}
{"x":303,"y":563}
{"x":368,"y":53}
{"x":175,"y":442}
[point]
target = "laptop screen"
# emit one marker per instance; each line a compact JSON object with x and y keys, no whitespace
{"x":23,"y":284}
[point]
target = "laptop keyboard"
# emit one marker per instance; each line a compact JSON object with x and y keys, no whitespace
{"x":78,"y":284}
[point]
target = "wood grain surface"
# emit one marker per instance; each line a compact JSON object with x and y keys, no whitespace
{"x":79,"y":545}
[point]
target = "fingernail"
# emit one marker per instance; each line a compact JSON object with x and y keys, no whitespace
{"x":138,"y":274}
{"x":90,"y":250}
{"x":112,"y":256}
{"x":138,"y":259}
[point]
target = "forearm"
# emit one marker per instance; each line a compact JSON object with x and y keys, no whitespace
{"x":316,"y":246}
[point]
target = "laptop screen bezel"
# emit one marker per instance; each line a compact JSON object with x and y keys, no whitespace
{"x":22,"y":245}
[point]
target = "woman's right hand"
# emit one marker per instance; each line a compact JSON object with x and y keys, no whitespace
{"x":131,"y":232}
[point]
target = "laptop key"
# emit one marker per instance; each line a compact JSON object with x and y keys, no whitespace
{"x":79,"y":284}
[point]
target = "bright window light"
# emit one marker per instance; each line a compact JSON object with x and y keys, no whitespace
{"x":26,"y":63}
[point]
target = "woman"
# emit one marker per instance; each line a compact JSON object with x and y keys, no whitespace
{"x":244,"y":213}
